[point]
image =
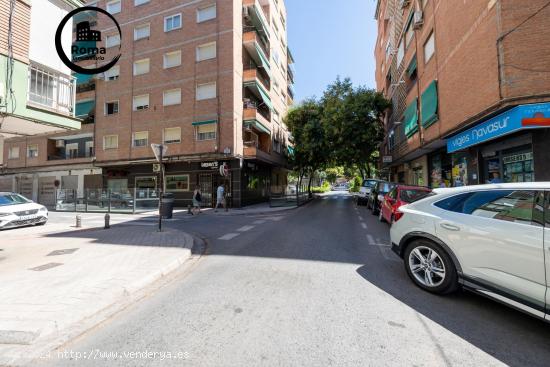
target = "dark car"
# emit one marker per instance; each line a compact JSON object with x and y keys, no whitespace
{"x":377,"y":195}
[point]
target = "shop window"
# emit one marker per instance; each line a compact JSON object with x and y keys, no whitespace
{"x":175,"y":183}
{"x":518,"y":167}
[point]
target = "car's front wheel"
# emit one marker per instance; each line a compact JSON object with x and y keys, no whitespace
{"x":430,"y":267}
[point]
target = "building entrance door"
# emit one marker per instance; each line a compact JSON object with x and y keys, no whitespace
{"x":205,"y":183}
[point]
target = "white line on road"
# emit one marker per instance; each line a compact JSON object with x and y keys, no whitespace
{"x":259,"y":222}
{"x":276,"y":219}
{"x":360,"y":218}
{"x":228,"y":236}
{"x":245,"y":228}
{"x":364,"y":225}
{"x":370,"y":239}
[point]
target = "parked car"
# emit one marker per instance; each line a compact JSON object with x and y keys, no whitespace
{"x":365,"y":190}
{"x":490,"y":239}
{"x":18,"y":211}
{"x":399,"y":196}
{"x":118,"y":200}
{"x":377,"y":195}
{"x":340,"y":187}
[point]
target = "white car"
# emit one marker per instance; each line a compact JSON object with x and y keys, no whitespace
{"x":490,"y":239}
{"x":364,"y":191}
{"x":18,"y":211}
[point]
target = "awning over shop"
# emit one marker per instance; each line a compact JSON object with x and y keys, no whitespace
{"x":411,"y":118}
{"x":206,"y":122}
{"x":83,"y":109}
{"x":258,"y":125}
{"x":412,"y":66}
{"x":429,"y":105}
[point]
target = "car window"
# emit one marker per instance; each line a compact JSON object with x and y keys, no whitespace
{"x":393,"y":194}
{"x":369,"y":183}
{"x":12,"y":199}
{"x":385,"y":187}
{"x":411,"y":195}
{"x":508,"y":205}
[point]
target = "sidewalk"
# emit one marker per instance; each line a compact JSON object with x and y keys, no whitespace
{"x":54,"y":284}
{"x":262,"y":208}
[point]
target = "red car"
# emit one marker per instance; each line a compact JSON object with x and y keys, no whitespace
{"x":400,"y":195}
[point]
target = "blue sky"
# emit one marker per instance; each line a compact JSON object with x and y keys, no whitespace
{"x":330,"y":38}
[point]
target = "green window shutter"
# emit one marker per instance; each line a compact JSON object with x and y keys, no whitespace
{"x":83,"y":109}
{"x":411,"y":119}
{"x":429,"y":105}
{"x":412,"y":66}
{"x":83,"y":78}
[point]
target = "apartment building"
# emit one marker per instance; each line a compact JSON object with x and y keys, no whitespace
{"x":469,"y":85}
{"x":209,"y":79}
{"x":37,"y":91}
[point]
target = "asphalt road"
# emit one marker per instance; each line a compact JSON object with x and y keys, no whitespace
{"x":315,"y":286}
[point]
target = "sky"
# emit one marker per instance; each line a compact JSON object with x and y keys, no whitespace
{"x":329,"y":38}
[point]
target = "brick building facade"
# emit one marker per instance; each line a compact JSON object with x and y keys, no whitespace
{"x":469,"y":84}
{"x":210,"y":79}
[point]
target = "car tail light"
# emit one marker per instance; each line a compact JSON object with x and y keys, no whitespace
{"x":398,"y":215}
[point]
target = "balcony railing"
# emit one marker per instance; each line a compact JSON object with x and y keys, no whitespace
{"x":51,"y":90}
{"x":252,"y":72}
{"x":71,"y":156}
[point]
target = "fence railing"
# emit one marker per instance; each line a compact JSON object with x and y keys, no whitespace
{"x":51,"y":89}
{"x":292,"y":196}
{"x":105,"y":200}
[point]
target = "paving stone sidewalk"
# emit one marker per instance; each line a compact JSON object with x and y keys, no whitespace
{"x":51,"y":282}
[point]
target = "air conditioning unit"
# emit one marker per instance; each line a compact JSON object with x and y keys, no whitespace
{"x":418,"y":19}
{"x":246,"y":12}
{"x":60,"y":143}
{"x":404,"y":3}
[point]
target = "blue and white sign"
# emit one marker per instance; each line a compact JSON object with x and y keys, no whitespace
{"x":521,"y":117}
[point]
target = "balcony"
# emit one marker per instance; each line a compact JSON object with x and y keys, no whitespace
{"x":255,"y":16}
{"x":252,"y":115}
{"x":252,"y":75}
{"x":257,"y":48}
{"x":290,"y":75}
{"x":51,"y":90}
{"x":78,"y":146}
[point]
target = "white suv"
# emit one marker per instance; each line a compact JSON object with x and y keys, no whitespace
{"x":491,"y":239}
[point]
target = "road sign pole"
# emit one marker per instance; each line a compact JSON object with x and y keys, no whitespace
{"x":160,"y":189}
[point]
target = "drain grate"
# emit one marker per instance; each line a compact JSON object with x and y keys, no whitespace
{"x":62,"y":252}
{"x":46,"y":266}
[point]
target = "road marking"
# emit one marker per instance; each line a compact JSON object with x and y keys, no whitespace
{"x":228,"y":236}
{"x":364,"y":225}
{"x":276,"y":219}
{"x":259,"y":222}
{"x":245,"y":228}
{"x":360,"y":218}
{"x":370,"y":239}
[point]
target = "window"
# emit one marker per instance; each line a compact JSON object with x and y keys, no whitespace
{"x":13,"y":153}
{"x":171,"y":97}
{"x":113,"y":7}
{"x":172,"y":22}
{"x":207,"y":51}
{"x":71,"y":150}
{"x":206,"y":132}
{"x":112,"y":41}
{"x":509,"y":205}
{"x":276,"y":56}
{"x":206,"y":91}
{"x":172,"y":135}
{"x":172,"y":59}
{"x":111,"y":108}
{"x":140,"y":2}
{"x":113,"y":73}
{"x":141,"y":102}
{"x":89,"y":146}
{"x":207,"y":13}
{"x":142,"y":31}
{"x":400,"y":52}
{"x":110,"y":142}
{"x":429,"y":48}
{"x":177,"y":183}
{"x":409,"y":33}
{"x":140,"y":139}
{"x":276,"y":116}
{"x":141,"y":67}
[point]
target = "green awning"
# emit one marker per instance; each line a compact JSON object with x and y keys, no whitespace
{"x":412,"y":66}
{"x":197,"y":123}
{"x":411,"y":119}
{"x":429,"y":105}
{"x":258,"y":125}
{"x":263,"y":57}
{"x":290,"y":150}
{"x":265,"y":96}
{"x":257,"y":19}
{"x":83,"y":109}
{"x":83,"y":78}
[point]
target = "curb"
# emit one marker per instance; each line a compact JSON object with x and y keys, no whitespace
{"x":128,"y":296}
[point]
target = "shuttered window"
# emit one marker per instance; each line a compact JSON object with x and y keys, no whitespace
{"x":171,"y":97}
{"x":206,"y":91}
{"x":429,"y":48}
{"x":141,"y":139}
{"x":172,"y":59}
{"x":429,"y":105}
{"x":207,"y":13}
{"x":411,"y":118}
{"x":172,"y":135}
{"x":207,"y":51}
{"x":206,"y":131}
{"x":110,"y":142}
{"x":113,"y":73}
{"x":141,"y":102}
{"x":142,"y":31}
{"x":141,"y":67}
{"x":112,"y":41}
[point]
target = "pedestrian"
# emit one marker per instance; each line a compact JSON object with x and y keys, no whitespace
{"x":220,"y":197}
{"x":197,"y":199}
{"x":496,"y":178}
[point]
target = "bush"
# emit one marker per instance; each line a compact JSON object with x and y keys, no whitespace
{"x":321,"y":189}
{"x":356,"y":184}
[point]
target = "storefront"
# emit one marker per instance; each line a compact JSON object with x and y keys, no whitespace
{"x":510,"y":147}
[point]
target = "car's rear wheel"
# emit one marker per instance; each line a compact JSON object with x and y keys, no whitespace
{"x":430,"y":267}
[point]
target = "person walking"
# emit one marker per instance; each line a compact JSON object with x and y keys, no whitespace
{"x":197,"y":199}
{"x":220,"y":197}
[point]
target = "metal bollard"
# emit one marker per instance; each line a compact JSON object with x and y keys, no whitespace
{"x":78,"y":221}
{"x":107,"y":220}
{"x":189,"y":209}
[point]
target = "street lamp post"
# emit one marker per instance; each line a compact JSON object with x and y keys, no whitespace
{"x":159,"y":150}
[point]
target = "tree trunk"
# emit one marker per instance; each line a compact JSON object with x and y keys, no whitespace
{"x":310,"y":194}
{"x":368,"y":170}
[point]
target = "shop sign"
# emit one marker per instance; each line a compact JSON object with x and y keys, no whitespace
{"x":210,"y":165}
{"x":522,"y":117}
{"x":387,"y":159}
{"x":518,"y":158}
